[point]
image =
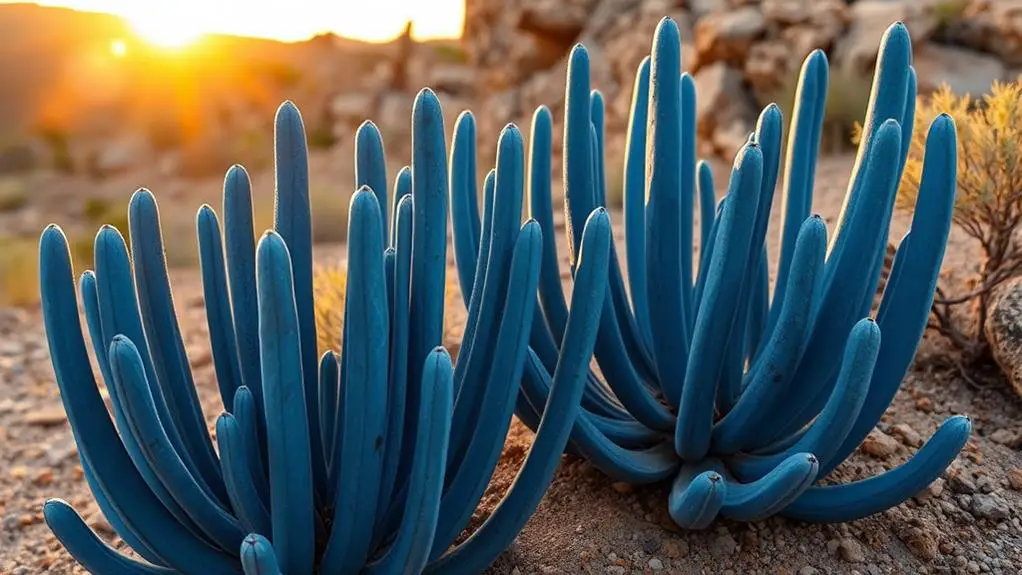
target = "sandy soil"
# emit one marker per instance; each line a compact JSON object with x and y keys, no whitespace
{"x":967,"y":522}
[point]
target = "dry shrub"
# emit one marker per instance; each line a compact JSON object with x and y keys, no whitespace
{"x":988,"y":205}
{"x":19,"y":276}
{"x":329,"y":284}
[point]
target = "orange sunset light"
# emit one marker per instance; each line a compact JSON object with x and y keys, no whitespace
{"x":175,"y":24}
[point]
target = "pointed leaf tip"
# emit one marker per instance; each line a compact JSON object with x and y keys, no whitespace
{"x":667,"y":29}
{"x":288,"y":114}
{"x":897,"y":34}
{"x":52,"y":232}
{"x":579,"y":56}
{"x":426,"y":104}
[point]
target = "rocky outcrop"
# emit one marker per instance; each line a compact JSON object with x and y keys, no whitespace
{"x":992,"y":26}
{"x":743,"y":53}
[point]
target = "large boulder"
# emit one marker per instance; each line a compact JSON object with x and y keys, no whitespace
{"x":870,"y":19}
{"x":510,"y":41}
{"x":993,"y":26}
{"x":724,"y":110}
{"x":729,"y":34}
{"x":1004,"y":330}
{"x":965,"y":71}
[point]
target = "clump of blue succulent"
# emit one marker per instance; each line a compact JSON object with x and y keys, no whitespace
{"x":368,"y":460}
{"x":744,"y":397}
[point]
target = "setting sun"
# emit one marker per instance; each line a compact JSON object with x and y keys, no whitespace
{"x":118,"y":48}
{"x":177,"y":23}
{"x":166,"y":29}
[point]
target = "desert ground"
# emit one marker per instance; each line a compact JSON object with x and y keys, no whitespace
{"x":969,"y":521}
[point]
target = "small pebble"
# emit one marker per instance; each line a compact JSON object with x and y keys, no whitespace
{"x":851,"y":551}
{"x":1015,"y":478}
{"x":879,"y":445}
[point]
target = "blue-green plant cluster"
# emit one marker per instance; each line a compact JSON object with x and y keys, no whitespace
{"x":745,"y":398}
{"x":371,"y":460}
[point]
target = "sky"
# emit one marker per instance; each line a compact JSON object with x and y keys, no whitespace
{"x":178,"y":21}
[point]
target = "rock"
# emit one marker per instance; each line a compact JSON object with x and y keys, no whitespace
{"x":907,"y":435}
{"x":452,"y":78}
{"x":656,"y":564}
{"x":879,"y":445}
{"x":857,"y":50}
{"x":723,"y":545}
{"x":964,"y":71}
{"x":920,"y":542}
{"x":924,"y":404}
{"x":554,"y":18}
{"x":932,"y":491}
{"x":786,"y":11}
{"x":990,"y":507}
{"x":961,"y":483}
{"x":727,"y":140}
{"x":1015,"y":478}
{"x":769,"y":66}
{"x":1004,"y":330}
{"x":993,"y":26}
{"x":352,"y":108}
{"x":824,"y":20}
{"x":513,"y":41}
{"x":98,"y":522}
{"x":851,"y":551}
{"x":701,"y":8}
{"x":45,"y":417}
{"x":723,"y":105}
{"x":43,"y":477}
{"x":676,"y":549}
{"x":1005,"y":437}
{"x":58,"y":452}
{"x":728,"y":35}
{"x":393,"y":111}
{"x":622,"y":487}
{"x":121,"y":155}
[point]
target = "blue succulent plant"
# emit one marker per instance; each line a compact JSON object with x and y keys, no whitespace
{"x":369,"y":460}
{"x":745,"y":398}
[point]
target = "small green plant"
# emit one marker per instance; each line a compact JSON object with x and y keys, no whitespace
{"x":19,"y":283}
{"x":98,"y":210}
{"x":95,"y":208}
{"x":321,"y":136}
{"x":13,"y":195}
{"x":57,"y":140}
{"x":845,"y":106}
{"x":947,"y":12}
{"x":450,"y":52}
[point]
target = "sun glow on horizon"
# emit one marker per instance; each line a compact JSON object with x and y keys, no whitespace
{"x":175,"y":24}
{"x":166,"y":31}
